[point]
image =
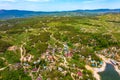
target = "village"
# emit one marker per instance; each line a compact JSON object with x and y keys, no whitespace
{"x":50,"y":61}
{"x":41,"y":49}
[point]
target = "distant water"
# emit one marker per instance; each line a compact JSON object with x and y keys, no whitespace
{"x":110,"y":73}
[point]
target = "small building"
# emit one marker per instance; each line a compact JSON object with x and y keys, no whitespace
{"x":38,"y":78}
{"x":68,"y":54}
{"x":34,"y":70}
{"x":79,"y":73}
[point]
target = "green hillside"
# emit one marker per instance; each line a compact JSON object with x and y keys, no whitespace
{"x":55,"y":48}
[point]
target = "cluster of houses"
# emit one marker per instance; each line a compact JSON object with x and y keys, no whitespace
{"x":93,"y":62}
{"x":27,"y":58}
{"x":112,"y":53}
{"x":52,"y":57}
{"x":67,"y":52}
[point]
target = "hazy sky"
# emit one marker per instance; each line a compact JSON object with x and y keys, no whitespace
{"x":58,"y":5}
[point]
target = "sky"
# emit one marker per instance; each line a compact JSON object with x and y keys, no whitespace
{"x":58,"y":5}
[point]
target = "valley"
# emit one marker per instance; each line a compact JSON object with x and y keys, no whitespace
{"x":59,"y":47}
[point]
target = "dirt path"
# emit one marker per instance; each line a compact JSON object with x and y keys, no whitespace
{"x":22,"y":52}
{"x":95,"y":74}
{"x":1,"y":69}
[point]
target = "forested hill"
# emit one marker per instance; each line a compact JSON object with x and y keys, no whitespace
{"x":8,"y":14}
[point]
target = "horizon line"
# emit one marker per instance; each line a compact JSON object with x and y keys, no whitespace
{"x":63,"y":10}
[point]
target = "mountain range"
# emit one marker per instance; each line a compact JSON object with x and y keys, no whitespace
{"x":9,"y":14}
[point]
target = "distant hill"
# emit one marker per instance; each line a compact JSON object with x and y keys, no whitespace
{"x":8,"y":14}
{"x":100,"y":11}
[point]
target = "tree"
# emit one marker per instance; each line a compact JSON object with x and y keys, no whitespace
{"x":12,"y":57}
{"x":2,"y":63}
{"x":4,"y":45}
{"x":14,"y":75}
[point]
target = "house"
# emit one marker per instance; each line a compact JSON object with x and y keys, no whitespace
{"x":12,"y":48}
{"x":69,"y":54}
{"x":79,"y":73}
{"x":34,"y":70}
{"x":38,"y":78}
{"x":60,"y":69}
{"x":66,"y":48}
{"x":50,"y":58}
{"x":17,"y":66}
